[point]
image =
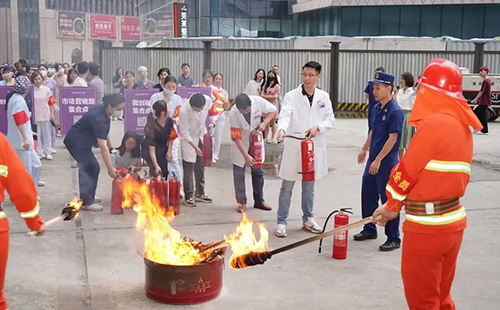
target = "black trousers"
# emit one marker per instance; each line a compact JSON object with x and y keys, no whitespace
{"x":88,"y":173}
{"x":197,"y":171}
{"x":257,"y":184}
{"x":482,"y":114}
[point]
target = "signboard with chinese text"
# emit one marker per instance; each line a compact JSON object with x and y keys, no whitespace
{"x":186,"y":92}
{"x":137,"y":109}
{"x":130,"y":29}
{"x":71,"y":25}
{"x":181,"y":20}
{"x":102,"y":27}
{"x":73,"y":103}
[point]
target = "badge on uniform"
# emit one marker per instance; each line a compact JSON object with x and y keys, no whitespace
{"x":383,"y":117}
{"x":321,"y":104}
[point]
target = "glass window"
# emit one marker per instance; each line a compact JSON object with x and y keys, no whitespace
{"x":258,"y":9}
{"x":242,"y":8}
{"x":205,"y":8}
{"x":430,"y":21}
{"x":193,"y":27}
{"x":389,"y":20}
{"x":214,"y":7}
{"x":273,"y":26}
{"x":205,"y":26}
{"x":226,"y":27}
{"x":287,"y":27}
{"x":192,"y":8}
{"x":451,"y":21}
{"x":491,"y":24}
{"x":226,"y":8}
{"x":241,"y":27}
{"x":215,"y":26}
{"x":473,"y":20}
{"x":276,"y":9}
{"x":370,"y":20}
{"x":257,"y":25}
{"x":350,"y":21}
{"x":410,"y":21}
{"x":314,"y":24}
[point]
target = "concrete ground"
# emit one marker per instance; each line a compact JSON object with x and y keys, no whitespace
{"x":92,"y":263}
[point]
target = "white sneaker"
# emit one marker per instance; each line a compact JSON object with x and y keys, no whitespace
{"x":53,"y":151}
{"x":312,"y":226}
{"x":41,"y":156}
{"x":281,"y":231}
{"x":41,"y":183}
{"x":48,"y":157}
{"x":93,"y":207}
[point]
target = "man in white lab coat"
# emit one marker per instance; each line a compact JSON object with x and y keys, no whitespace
{"x":245,"y":117}
{"x":192,"y":117}
{"x":306,"y":111}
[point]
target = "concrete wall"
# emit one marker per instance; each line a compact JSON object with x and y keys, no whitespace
{"x":5,"y":36}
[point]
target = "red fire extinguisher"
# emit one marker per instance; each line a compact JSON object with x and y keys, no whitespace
{"x":307,"y":149}
{"x":159,"y":187}
{"x":340,"y":240}
{"x":207,"y":150}
{"x":117,"y":193}
{"x":256,"y":146}
{"x":174,"y":194}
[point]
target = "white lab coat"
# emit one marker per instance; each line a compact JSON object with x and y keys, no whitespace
{"x":296,"y":116}
{"x":192,"y":127}
{"x":260,"y":107}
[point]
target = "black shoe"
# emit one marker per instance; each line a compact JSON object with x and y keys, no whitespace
{"x":365,"y":235}
{"x":389,"y":246}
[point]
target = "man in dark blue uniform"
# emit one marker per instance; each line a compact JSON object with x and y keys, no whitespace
{"x":383,"y":141}
{"x":371,"y":99}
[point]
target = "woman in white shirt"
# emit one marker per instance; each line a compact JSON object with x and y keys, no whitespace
{"x":405,"y":99}
{"x":44,"y":114}
{"x":253,"y":86}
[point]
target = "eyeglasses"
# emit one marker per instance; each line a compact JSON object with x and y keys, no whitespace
{"x":308,"y":75}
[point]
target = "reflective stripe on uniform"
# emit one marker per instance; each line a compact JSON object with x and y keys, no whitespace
{"x":446,"y":218}
{"x":2,"y":215}
{"x":395,"y":194}
{"x":32,"y":213}
{"x":4,"y":171}
{"x":448,"y":166}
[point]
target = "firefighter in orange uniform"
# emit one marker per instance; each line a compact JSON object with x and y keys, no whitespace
{"x":429,"y":181}
{"x":21,"y":188}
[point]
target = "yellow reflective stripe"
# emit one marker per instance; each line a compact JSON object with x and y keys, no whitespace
{"x":395,"y":194}
{"x":443,"y":219}
{"x":32,"y":213}
{"x":4,"y":171}
{"x":2,"y":215}
{"x":448,"y":166}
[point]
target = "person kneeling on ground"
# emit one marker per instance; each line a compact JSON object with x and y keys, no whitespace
{"x":128,"y":154}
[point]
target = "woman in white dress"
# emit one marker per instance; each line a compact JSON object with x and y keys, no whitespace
{"x":405,"y":99}
{"x":253,"y":86}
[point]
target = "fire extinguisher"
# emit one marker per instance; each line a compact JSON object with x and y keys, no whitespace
{"x":207,"y":150}
{"x":340,"y":240}
{"x":159,"y":187}
{"x":174,"y":194}
{"x":307,"y":157}
{"x":117,"y":193}
{"x":256,"y":146}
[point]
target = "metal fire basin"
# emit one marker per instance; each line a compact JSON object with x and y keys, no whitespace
{"x":184,"y":285}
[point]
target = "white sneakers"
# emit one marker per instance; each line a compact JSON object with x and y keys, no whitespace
{"x":48,"y":157}
{"x":312,"y":226}
{"x":281,"y":231}
{"x":53,"y":151}
{"x":93,"y":207}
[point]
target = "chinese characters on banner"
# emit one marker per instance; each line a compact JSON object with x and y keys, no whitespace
{"x":71,"y":25}
{"x":102,"y":27}
{"x":137,"y":109}
{"x":73,"y":103}
{"x":130,"y":29}
{"x":186,"y":92}
{"x":181,"y":20}
{"x":4,"y":91}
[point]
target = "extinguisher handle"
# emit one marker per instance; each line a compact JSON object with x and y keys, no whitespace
{"x":346,"y":210}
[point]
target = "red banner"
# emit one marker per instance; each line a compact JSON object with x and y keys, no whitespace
{"x":130,"y":29}
{"x":102,"y":27}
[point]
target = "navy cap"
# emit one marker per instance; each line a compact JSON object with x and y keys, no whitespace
{"x":383,"y":78}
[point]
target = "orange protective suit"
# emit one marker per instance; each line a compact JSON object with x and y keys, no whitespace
{"x":428,"y":181}
{"x":21,"y":188}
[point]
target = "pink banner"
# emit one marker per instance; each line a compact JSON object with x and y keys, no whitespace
{"x":102,"y":27}
{"x":130,"y":29}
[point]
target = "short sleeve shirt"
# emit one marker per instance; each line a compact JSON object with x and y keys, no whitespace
{"x":385,"y":121}
{"x":148,"y":85}
{"x":93,"y":125}
{"x":124,"y":161}
{"x":486,"y":96}
{"x":42,"y":107}
{"x":17,"y":104}
{"x":186,"y":81}
{"x":160,"y":142}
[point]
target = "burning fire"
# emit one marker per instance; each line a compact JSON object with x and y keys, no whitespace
{"x":75,"y":204}
{"x":162,"y":243}
{"x":244,"y":241}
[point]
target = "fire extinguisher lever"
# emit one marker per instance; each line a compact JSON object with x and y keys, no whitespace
{"x":346,"y":210}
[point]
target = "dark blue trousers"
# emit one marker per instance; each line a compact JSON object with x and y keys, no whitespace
{"x":88,"y":173}
{"x":373,"y":190}
{"x":257,"y":184}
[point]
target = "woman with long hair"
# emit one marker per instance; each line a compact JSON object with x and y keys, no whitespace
{"x":163,"y":73}
{"x":208,"y":77}
{"x":405,"y":99}
{"x":159,"y":134}
{"x":128,"y":154}
{"x":118,"y":80}
{"x":253,"y":86}
{"x":271,"y":91}
{"x":222,"y":103}
{"x":72,"y":75}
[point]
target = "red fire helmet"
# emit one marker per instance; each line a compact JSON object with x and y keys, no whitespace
{"x":443,"y":76}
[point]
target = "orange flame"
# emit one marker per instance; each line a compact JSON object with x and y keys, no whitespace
{"x":75,"y":203}
{"x":162,"y":243}
{"x":244,"y":241}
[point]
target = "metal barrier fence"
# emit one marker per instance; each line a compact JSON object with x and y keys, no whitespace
{"x":238,"y":66}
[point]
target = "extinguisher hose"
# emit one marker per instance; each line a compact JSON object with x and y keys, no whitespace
{"x":324,"y":228}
